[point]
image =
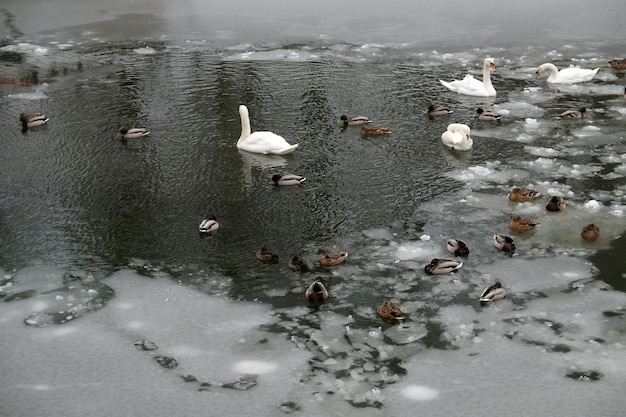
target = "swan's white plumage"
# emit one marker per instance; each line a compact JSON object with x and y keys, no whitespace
{"x":566,"y":75}
{"x":471,"y":86}
{"x":262,"y":141}
{"x":457,"y":136}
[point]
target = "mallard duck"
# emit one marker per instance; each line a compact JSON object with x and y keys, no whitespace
{"x":133,"y":132}
{"x":492,"y":293}
{"x":523,"y":194}
{"x":457,"y":136}
{"x":374,"y":131}
{"x":316,"y":293}
{"x":471,"y":86}
{"x":618,"y":64}
{"x":390,"y":312}
{"x":32,"y":120}
{"x":504,"y":243}
{"x":457,"y":247}
{"x":442,"y":266}
{"x":566,"y":75}
{"x":298,"y":264}
{"x":522,"y":225}
{"x":266,"y":254}
{"x":333,"y":258}
{"x":590,"y":233}
{"x":208,"y":225}
{"x":287,"y":179}
{"x":555,"y":203}
{"x":353,"y":121}
{"x":261,"y":142}
{"x":574,"y":114}
{"x":438,"y":110}
{"x":488,"y":116}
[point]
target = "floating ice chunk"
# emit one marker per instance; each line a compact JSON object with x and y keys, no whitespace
{"x":145,"y":51}
{"x":524,"y":138}
{"x":420,"y":393}
{"x":378,"y":233}
{"x":425,"y":238}
{"x":255,"y":367}
{"x":410,"y":250}
{"x":540,"y":151}
{"x":35,"y":95}
{"x":26,"y":48}
{"x":592,"y":206}
{"x":531,"y":123}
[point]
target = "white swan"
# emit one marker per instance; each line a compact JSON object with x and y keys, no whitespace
{"x":457,"y":137}
{"x":566,"y":75}
{"x":261,"y":142}
{"x":471,"y":86}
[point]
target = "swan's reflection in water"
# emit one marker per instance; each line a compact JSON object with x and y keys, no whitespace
{"x":261,"y":161}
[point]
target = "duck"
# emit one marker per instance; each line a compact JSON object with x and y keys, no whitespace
{"x":618,"y":64}
{"x":32,"y":120}
{"x":457,"y":136}
{"x":266,"y":254}
{"x":390,"y":312}
{"x":567,"y":75}
{"x":504,"y":243}
{"x":438,"y":110}
{"x":287,"y":179}
{"x":471,"y":86}
{"x":316,"y":292}
{"x":521,"y":195}
{"x":133,"y":132}
{"x":333,"y":258}
{"x":297,"y":264}
{"x":208,"y":225}
{"x":555,"y":203}
{"x":442,"y":266}
{"x":353,"y":121}
{"x":263,"y":142}
{"x":522,"y":225}
{"x":492,"y":293}
{"x":488,"y":116}
{"x":590,"y":232}
{"x":374,"y":131}
{"x":457,"y":247}
{"x":574,"y":114}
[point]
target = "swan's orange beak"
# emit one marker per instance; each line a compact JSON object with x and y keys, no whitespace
{"x":537,"y":74}
{"x":492,"y":67}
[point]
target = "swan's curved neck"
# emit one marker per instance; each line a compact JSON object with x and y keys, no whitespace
{"x":486,"y":74}
{"x":552,"y":69}
{"x":245,"y":123}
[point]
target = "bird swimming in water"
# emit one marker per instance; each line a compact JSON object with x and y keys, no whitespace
{"x":316,"y":292}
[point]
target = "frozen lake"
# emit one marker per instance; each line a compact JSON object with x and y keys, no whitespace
{"x":112,"y":305}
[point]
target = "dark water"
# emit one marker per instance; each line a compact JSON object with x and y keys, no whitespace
{"x":74,"y":197}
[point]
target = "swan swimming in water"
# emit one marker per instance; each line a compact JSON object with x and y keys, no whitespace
{"x":262,"y":141}
{"x":471,"y":86}
{"x":457,"y":136}
{"x":566,"y":75}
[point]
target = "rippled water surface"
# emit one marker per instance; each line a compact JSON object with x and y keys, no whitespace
{"x":104,"y":271}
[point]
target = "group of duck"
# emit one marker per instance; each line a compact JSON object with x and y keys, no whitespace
{"x":456,"y":136}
